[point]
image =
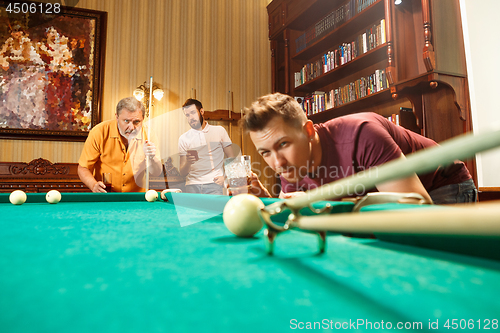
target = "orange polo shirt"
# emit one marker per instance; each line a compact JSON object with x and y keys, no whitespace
{"x":105,"y":152}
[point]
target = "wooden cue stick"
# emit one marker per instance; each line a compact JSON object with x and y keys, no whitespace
{"x":229,"y":115}
{"x":474,"y":220}
{"x":422,"y":161}
{"x":149,"y":127}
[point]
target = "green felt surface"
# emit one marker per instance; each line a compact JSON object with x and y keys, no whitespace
{"x":131,"y":267}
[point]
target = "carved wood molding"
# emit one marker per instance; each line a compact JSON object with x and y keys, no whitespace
{"x":428,"y":51}
{"x":425,"y":83}
{"x":222,"y":115}
{"x":287,"y":60}
{"x":390,"y":70}
{"x":39,"y":167}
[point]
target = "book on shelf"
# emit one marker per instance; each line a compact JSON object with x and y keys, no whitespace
{"x":314,"y":103}
{"x":365,"y":45}
{"x":300,"y":100}
{"x":331,"y":21}
{"x":394,"y":118}
{"x":382,"y":31}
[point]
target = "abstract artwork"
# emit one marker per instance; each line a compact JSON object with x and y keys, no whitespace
{"x":50,"y":72}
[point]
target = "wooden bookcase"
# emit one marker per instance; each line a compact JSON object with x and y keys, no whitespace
{"x":423,"y":58}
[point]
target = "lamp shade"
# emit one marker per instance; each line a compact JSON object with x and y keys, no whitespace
{"x":139,"y":94}
{"x":158,"y":94}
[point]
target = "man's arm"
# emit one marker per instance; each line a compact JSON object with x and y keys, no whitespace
{"x":90,"y":155}
{"x":88,"y":179}
{"x":229,"y":151}
{"x":185,"y":164}
{"x":289,"y":195}
{"x":152,"y":156}
{"x":407,"y":185}
{"x":377,"y":147}
{"x":155,"y":166}
{"x":411,"y":184}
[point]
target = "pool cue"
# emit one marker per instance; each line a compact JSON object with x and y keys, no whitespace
{"x":149,"y":127}
{"x":422,"y":161}
{"x":470,"y":220}
{"x":229,"y":115}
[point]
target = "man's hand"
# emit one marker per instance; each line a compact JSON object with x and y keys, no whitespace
{"x":291,"y":194}
{"x":88,"y":179}
{"x":219,"y":180}
{"x":149,"y":149}
{"x":190,"y":159}
{"x":99,"y":187}
{"x":256,"y":188}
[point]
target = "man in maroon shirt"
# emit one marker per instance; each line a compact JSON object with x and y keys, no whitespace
{"x":306,"y":155}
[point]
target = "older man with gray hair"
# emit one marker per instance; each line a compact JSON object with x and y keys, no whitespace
{"x":120,"y":147}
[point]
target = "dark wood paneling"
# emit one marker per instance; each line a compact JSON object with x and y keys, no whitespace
{"x":41,"y":175}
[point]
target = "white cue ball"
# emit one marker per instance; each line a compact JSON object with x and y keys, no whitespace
{"x":53,"y":196}
{"x":242,"y":215}
{"x":151,"y":195}
{"x":17,"y":197}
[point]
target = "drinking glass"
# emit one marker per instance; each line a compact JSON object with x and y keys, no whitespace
{"x":238,"y":172}
{"x":106,"y":179}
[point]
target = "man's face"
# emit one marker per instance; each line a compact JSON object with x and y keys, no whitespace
{"x":286,"y":149}
{"x":194,"y":117}
{"x":129,"y":123}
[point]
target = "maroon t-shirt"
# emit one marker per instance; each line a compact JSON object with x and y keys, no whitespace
{"x":357,"y":142}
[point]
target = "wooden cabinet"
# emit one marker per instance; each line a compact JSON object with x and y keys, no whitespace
{"x":421,"y":56}
{"x":276,"y":12}
{"x":41,"y":175}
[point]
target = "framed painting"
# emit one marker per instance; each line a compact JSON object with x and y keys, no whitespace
{"x":51,"y":70}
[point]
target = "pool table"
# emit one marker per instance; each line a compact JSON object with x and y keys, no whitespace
{"x":117,"y":263}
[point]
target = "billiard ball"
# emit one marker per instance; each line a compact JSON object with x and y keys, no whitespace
{"x":241,"y":215}
{"x":163,"y":194}
{"x":151,"y":195}
{"x":53,"y":196}
{"x":17,"y":197}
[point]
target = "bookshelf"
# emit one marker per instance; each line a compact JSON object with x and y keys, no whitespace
{"x":420,"y":59}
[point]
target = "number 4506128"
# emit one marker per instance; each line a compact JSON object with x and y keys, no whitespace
{"x":485,"y":324}
{"x":33,"y":8}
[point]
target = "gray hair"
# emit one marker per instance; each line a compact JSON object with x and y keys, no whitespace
{"x":130,"y":104}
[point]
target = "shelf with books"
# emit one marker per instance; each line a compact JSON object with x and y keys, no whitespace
{"x":357,"y":105}
{"x":405,"y":118}
{"x":319,"y":101}
{"x":358,"y":22}
{"x":302,"y":14}
{"x":361,"y":61}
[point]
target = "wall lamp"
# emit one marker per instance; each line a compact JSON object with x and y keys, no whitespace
{"x":141,"y":93}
